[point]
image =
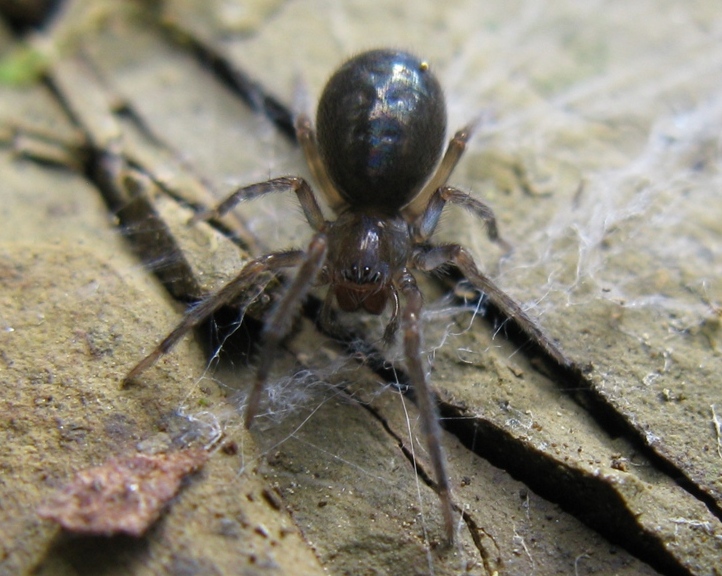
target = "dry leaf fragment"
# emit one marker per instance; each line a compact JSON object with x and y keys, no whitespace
{"x":124,"y":495}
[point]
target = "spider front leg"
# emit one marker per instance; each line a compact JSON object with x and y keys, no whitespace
{"x":252,"y":272}
{"x":281,"y":319}
{"x":429,"y":258}
{"x":424,"y":396}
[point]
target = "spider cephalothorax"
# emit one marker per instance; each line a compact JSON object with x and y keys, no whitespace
{"x":363,"y":278}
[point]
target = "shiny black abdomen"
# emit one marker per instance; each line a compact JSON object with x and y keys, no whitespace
{"x":381,"y":125}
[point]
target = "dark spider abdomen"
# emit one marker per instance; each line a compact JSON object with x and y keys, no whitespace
{"x":381,"y":124}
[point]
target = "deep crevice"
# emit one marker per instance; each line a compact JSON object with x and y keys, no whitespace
{"x":474,"y":529}
{"x":572,"y":380}
{"x":588,"y":498}
{"x":427,"y":479}
{"x":251,"y":92}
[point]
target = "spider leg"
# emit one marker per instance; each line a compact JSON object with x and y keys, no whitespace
{"x":393,"y":325}
{"x":279,"y":323}
{"x":426,"y":224}
{"x":424,"y":396}
{"x":428,"y":258}
{"x":307,"y":139}
{"x":306,"y":198}
{"x":454,"y":151}
{"x":251,"y":272}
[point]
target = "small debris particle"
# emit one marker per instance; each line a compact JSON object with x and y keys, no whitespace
{"x":718,"y":429}
{"x":124,"y":495}
{"x":619,"y":463}
{"x":158,"y":444}
{"x":518,"y":372}
{"x":272,"y":498}
{"x":230,"y":448}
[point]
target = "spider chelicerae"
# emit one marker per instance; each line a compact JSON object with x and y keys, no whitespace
{"x":380,"y":132}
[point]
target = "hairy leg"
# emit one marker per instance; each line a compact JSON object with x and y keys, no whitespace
{"x":425,"y":225}
{"x":281,"y":319}
{"x":424,"y":395}
{"x":299,"y":186}
{"x":307,"y":139}
{"x":451,"y":158}
{"x":428,"y":258}
{"x":253,"y":272}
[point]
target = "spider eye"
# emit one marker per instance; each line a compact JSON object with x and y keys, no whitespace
{"x":361,"y":275}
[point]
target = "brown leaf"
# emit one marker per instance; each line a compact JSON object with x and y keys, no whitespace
{"x":124,"y":495}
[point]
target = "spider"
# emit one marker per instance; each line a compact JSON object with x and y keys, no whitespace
{"x":376,"y":154}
